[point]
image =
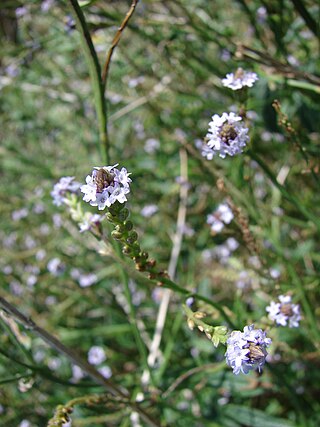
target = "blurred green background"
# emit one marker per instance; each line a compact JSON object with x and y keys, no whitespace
{"x":164,"y":86}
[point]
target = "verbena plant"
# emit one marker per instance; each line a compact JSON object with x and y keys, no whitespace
{"x":160,"y":221}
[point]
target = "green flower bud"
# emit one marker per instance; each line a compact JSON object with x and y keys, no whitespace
{"x":128,"y":225}
{"x":133,"y":236}
{"x":123,"y":215}
{"x":117,"y":235}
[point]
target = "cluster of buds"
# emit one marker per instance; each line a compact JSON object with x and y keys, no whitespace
{"x":216,"y":334}
{"x":124,"y":232}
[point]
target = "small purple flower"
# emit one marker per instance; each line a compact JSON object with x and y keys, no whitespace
{"x":56,"y":267}
{"x":148,"y":210}
{"x":65,"y":185}
{"x":247,"y":350}
{"x":284,"y":313}
{"x":227,"y":134}
{"x":105,"y":186}
{"x":96,"y":355}
{"x":240,"y":79}
{"x":221,"y":216}
{"x":86,"y":280}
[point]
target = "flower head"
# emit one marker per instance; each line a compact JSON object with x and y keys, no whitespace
{"x":227,"y":135}
{"x":66,"y":184}
{"x":221,"y":216}
{"x":240,"y":79}
{"x":105,"y":186}
{"x":96,"y":355}
{"x":247,"y":350}
{"x":284,"y":312}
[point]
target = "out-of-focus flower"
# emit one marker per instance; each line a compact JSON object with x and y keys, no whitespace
{"x":86,"y":280}
{"x":89,"y":221}
{"x":65,"y":185}
{"x":148,"y":210}
{"x":105,"y":371}
{"x":206,"y":151}
{"x":284,"y":312}
{"x":240,"y":79}
{"x":227,"y":134}
{"x":96,"y":355}
{"x":247,"y":350}
{"x":19,"y":214}
{"x":221,"y":216}
{"x":151,"y":145}
{"x":106,"y":186}
{"x":56,"y":267}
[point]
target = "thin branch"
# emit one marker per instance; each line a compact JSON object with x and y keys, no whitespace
{"x":214,"y":367}
{"x":74,"y":358}
{"x":115,"y":42}
{"x":177,"y":241}
{"x":95,"y":74}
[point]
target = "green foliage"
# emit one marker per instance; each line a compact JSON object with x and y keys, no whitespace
{"x":164,"y":85}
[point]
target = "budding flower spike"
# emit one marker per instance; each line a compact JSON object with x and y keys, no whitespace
{"x":105,"y":186}
{"x":240,"y":79}
{"x":227,"y":134}
{"x":247,"y":350}
{"x":284,"y":313}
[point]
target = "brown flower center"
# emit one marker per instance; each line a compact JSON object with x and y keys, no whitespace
{"x":228,"y":133}
{"x":103,"y":179}
{"x":256,"y":353}
{"x":286,"y":309}
{"x":239,"y":73}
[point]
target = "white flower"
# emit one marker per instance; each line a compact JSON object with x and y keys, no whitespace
{"x":284,"y":313}
{"x":247,"y":350}
{"x":96,"y":355}
{"x":206,"y":151}
{"x":221,"y":216}
{"x":239,"y":79}
{"x":66,"y":184}
{"x":105,"y":186}
{"x":89,"y":190}
{"x":227,"y":135}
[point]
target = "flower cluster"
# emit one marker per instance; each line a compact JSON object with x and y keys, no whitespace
{"x":247,"y":350}
{"x":105,"y":186}
{"x":240,"y":79}
{"x":65,"y":185}
{"x":284,"y":312}
{"x":227,"y":135}
{"x":221,"y":216}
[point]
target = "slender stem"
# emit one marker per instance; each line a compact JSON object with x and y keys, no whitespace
{"x":177,"y":241}
{"x":310,"y":314}
{"x":131,"y":311}
{"x":212,"y":367}
{"x":95,"y":74}
{"x":308,"y":19}
{"x":115,"y":42}
{"x":74,"y":358}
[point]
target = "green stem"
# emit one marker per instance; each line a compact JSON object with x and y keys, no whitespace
{"x":132,"y":312}
{"x":292,"y":199}
{"x":95,"y":74}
